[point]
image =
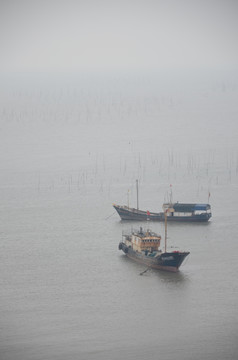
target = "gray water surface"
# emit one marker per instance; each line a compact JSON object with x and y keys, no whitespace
{"x":67,"y":154}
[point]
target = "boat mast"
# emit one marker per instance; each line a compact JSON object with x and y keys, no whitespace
{"x":137,"y":195}
{"x":165,"y":231}
{"x":171,"y":195}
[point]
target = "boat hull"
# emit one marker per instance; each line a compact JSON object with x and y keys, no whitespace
{"x":126,"y":213}
{"x":169,"y":261}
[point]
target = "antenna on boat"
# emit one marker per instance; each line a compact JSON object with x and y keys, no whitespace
{"x":137,"y":197}
{"x":208,"y":197}
{"x":128,"y":198}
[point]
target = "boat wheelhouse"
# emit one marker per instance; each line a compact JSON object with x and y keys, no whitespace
{"x":190,"y":210}
{"x":144,"y":247}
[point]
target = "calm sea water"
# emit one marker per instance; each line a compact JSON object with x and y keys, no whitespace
{"x":68,"y":151}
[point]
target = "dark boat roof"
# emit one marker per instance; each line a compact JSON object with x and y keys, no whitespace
{"x":183,"y":207}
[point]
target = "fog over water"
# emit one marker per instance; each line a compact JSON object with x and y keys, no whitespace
{"x":94,"y":95}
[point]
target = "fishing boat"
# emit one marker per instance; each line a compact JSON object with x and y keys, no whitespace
{"x":183,"y":212}
{"x":179,"y":212}
{"x":144,"y":247}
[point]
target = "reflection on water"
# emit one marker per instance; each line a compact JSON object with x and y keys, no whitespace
{"x":176,"y":278}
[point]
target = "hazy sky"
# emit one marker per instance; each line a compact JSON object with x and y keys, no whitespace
{"x":58,"y":35}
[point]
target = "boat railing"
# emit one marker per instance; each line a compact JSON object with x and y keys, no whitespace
{"x":142,"y":232}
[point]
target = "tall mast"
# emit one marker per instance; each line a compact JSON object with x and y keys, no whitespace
{"x":137,"y":198}
{"x":171,"y":195}
{"x":165,"y":231}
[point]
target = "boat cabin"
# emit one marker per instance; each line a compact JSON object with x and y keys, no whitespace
{"x":181,"y":209}
{"x":147,"y":241}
